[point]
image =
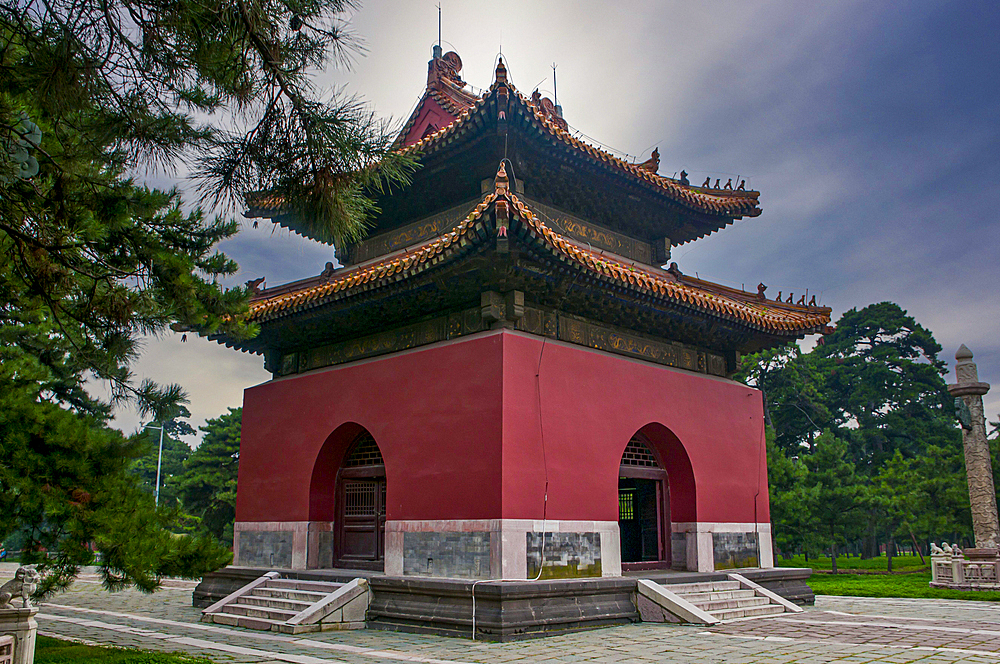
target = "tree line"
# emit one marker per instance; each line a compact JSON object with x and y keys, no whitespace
{"x":863,"y":447}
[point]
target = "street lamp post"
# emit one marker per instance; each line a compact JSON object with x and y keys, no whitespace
{"x":159,"y":460}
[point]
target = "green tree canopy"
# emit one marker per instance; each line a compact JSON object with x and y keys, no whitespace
{"x":833,"y":495}
{"x":208,"y":485}
{"x":877,"y":387}
{"x":94,"y":94}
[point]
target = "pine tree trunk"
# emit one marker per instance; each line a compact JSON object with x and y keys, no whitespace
{"x":888,"y":553}
{"x":917,"y":548}
{"x":833,"y":558}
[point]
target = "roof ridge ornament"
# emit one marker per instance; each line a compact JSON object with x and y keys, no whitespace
{"x":653,"y":163}
{"x":500,"y":76}
{"x":502,"y":182}
{"x":443,"y":68}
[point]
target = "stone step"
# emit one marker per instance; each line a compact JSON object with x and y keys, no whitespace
{"x":276,"y":603}
{"x":297,"y":584}
{"x":711,"y":606}
{"x":694,"y":598}
{"x":750,"y":611}
{"x":310,"y":596}
{"x":252,"y":611}
{"x":263,"y":624}
{"x":701,"y":587}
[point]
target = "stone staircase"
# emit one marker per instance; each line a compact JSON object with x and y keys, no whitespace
{"x":725,"y":600}
{"x":708,"y":602}
{"x":292,"y":606}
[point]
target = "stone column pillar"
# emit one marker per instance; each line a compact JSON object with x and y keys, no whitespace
{"x":982,"y":494}
{"x":20,"y":623}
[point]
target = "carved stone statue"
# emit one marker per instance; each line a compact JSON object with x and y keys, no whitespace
{"x":982,"y":494}
{"x":21,"y":586}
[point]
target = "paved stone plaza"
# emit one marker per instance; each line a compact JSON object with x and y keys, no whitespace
{"x":838,"y":629}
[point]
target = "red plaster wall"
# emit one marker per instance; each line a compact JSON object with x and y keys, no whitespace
{"x":594,"y":402}
{"x":435,"y":414}
{"x":447,"y":441}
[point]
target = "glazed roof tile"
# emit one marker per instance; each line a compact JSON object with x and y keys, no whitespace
{"x":726,"y":203}
{"x":465,"y":106}
{"x":773,"y":317}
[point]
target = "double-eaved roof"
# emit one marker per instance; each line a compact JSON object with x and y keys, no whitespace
{"x":450,"y":118}
{"x":668,"y":289}
{"x":506,"y":227}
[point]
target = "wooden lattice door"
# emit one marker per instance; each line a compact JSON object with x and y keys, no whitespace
{"x":643,"y":508}
{"x":361,"y":507}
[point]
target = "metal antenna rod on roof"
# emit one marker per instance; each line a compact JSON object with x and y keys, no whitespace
{"x":555,"y":89}
{"x":439,"y":25}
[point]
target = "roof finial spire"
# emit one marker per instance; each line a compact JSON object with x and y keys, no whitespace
{"x":437,"y":47}
{"x":555,"y":88}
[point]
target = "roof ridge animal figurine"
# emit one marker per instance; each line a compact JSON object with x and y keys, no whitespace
{"x":24,"y":583}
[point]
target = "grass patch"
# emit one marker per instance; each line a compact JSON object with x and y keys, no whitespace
{"x":886,"y":585}
{"x":879,"y":564}
{"x":49,"y":650}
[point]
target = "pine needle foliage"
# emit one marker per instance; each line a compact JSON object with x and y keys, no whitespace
{"x":94,"y":94}
{"x":227,"y":86}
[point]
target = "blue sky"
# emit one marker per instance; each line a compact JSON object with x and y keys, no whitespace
{"x":870,"y":128}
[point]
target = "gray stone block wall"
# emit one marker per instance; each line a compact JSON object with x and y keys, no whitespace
{"x":325,"y":553}
{"x":678,"y":551}
{"x":735,"y":550}
{"x":456,"y":555}
{"x":269,"y":548}
{"x":567,"y":555}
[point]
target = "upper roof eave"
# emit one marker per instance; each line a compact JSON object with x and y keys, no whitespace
{"x":731,"y":204}
{"x":721,"y":204}
{"x":774,"y":318}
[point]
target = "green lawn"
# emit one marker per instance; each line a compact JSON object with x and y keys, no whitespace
{"x":895,"y":585}
{"x":56,"y":651}
{"x":880,"y":564}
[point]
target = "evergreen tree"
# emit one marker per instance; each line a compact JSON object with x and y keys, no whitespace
{"x":175,"y":453}
{"x":791,"y":522}
{"x":94,"y":93}
{"x":832,"y":493}
{"x":885,"y":385}
{"x":792,"y":386}
{"x":208,"y":486}
{"x":66,"y":491}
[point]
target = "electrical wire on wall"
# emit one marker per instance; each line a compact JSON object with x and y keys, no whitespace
{"x":541,"y":435}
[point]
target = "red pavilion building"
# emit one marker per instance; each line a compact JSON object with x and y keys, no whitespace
{"x":503,"y":362}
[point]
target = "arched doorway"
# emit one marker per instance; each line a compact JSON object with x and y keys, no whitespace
{"x":643,"y":507}
{"x":360,"y":519}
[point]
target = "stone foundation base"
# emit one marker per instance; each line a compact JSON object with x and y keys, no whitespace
{"x":706,"y":546}
{"x":20,"y":624}
{"x":502,"y":548}
{"x":504,"y":611}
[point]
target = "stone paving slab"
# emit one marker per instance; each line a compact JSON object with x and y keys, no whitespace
{"x":839,"y":629}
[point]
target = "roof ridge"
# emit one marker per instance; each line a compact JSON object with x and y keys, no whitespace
{"x":706,"y":296}
{"x":745,"y":203}
{"x":637,"y":277}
